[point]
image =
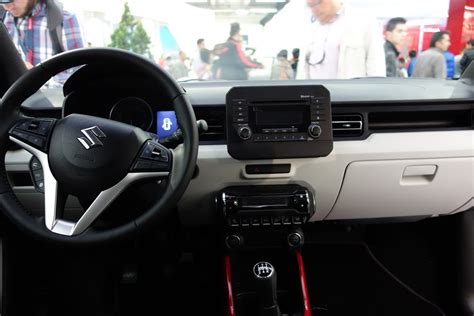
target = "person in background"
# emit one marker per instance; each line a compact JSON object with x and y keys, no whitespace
{"x":431,"y":63}
{"x":202,"y":61}
{"x":411,"y":66}
{"x":233,"y":63}
{"x":177,"y":66}
{"x":295,"y":60}
{"x":402,"y":69}
{"x":468,"y":56}
{"x":395,"y":35}
{"x":281,"y":69}
{"x":41,"y":29}
{"x":342,"y":43}
{"x":450,"y":64}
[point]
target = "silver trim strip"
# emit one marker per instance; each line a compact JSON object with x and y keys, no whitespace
{"x":104,"y":199}
{"x":347,"y":129}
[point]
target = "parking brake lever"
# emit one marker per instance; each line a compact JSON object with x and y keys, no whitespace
{"x":177,"y":137}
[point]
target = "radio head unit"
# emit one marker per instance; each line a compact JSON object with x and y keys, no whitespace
{"x":278,"y":122}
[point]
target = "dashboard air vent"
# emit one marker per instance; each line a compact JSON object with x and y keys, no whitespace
{"x":420,"y":120}
{"x":347,"y":125}
{"x":215,"y":118}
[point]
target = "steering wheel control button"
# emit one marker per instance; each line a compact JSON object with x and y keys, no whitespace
{"x":40,"y":127}
{"x":155,"y":152}
{"x":153,"y":157}
{"x":35,"y":164}
{"x":20,"y":135}
{"x":37,"y":176}
{"x":39,"y":186}
{"x":33,"y":132}
{"x":37,"y":141}
{"x":142,"y":165}
{"x":44,"y":128}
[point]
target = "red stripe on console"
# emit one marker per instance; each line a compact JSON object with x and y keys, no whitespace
{"x":304,"y":286}
{"x":228,"y":280}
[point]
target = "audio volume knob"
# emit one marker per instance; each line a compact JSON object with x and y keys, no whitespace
{"x":314,"y":131}
{"x":245,"y":133}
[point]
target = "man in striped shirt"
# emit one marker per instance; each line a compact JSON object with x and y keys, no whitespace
{"x":28,"y":22}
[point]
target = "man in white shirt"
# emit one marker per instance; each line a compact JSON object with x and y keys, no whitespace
{"x":343,"y":44}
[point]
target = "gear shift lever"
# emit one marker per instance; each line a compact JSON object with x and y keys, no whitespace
{"x":265,"y":276}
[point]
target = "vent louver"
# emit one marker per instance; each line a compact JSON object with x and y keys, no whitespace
{"x":347,"y":125}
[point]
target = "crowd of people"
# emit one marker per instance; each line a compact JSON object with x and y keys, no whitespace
{"x":342,"y":43}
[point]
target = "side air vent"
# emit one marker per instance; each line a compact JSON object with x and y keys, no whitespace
{"x":420,"y":120}
{"x":347,"y":125}
{"x":215,"y":118}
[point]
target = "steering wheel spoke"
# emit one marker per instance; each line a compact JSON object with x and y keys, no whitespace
{"x":98,"y":206}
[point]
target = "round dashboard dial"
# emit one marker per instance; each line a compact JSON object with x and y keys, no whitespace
{"x":133,"y":111}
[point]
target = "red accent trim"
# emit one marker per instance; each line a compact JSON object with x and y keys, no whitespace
{"x":455,"y":24}
{"x":228,"y":280}
{"x":304,"y":286}
{"x":244,"y":58}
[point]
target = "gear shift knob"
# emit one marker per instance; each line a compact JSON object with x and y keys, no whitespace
{"x":266,"y":284}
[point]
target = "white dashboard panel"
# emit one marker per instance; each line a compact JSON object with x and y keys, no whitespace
{"x":404,"y":188}
{"x":324,"y":176}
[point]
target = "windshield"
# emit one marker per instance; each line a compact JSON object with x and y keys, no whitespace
{"x":202,"y":40}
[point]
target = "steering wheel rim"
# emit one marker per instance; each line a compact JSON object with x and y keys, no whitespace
{"x":184,"y":159}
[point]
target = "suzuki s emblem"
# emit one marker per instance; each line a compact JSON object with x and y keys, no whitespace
{"x":92,"y":137}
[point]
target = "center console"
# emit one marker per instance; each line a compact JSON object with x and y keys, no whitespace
{"x":263,"y":224}
{"x":278,"y":122}
{"x":263,"y":233}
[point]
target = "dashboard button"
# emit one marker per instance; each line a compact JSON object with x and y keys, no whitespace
{"x":255,"y":221}
{"x":266,"y":221}
{"x":234,"y":222}
{"x":286,"y":220}
{"x":240,"y":119}
{"x":297,"y":219}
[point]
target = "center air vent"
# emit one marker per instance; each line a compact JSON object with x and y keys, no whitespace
{"x":347,"y":125}
{"x":215,"y":118}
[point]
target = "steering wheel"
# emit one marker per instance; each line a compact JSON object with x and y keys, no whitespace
{"x":87,"y":155}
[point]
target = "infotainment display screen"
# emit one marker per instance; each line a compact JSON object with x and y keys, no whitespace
{"x":166,"y":123}
{"x":278,"y":115}
{"x":294,"y":116}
